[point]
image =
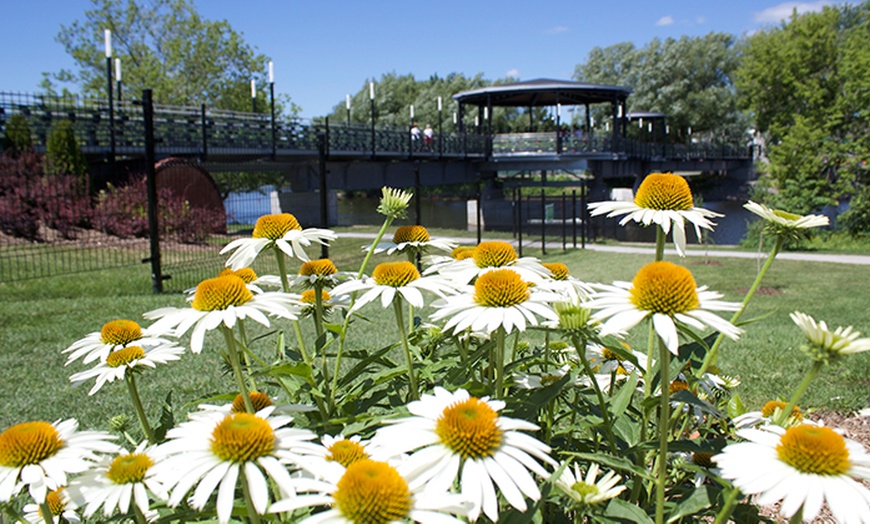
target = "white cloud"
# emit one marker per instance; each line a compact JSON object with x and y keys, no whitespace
{"x":784,"y":10}
{"x":557,"y":30}
{"x":514,"y":73}
{"x":700,"y":19}
{"x":665,"y":20}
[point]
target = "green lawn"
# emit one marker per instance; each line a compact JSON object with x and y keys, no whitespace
{"x":41,"y":317}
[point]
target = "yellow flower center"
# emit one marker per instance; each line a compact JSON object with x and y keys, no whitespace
{"x":770,"y":408}
{"x":129,"y":469}
{"x":346,"y":452}
{"x":559,"y":270}
{"x":608,"y":354}
{"x":663,"y":287}
{"x":124,"y":356}
{"x":584,"y":490}
{"x":815,"y":450}
{"x":463,"y":252}
{"x":500,"y":288}
{"x":56,"y":502}
{"x":470,"y":429}
{"x":259,"y":400}
{"x":372,"y":492}
{"x":786,"y":215}
{"x":622,"y":371}
{"x":321,"y":268}
{"x":120,"y":332}
{"x":274,"y":227}
{"x":309,"y":297}
{"x":242,"y":437}
{"x":411,"y":234}
{"x":494,"y":254}
{"x":664,"y":191}
{"x":28,"y":443}
{"x":395,"y":274}
{"x":219,"y":293}
{"x":678,"y":385}
{"x":705,"y":460}
{"x":247,"y":274}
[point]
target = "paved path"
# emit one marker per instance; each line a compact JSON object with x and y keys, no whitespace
{"x":643,"y":249}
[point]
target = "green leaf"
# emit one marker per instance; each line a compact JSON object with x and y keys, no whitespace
{"x":622,"y":399}
{"x":699,"y":500}
{"x":298,"y":369}
{"x":167,"y":419}
{"x":621,"y":511}
{"x":688,"y":398}
{"x":735,"y":406}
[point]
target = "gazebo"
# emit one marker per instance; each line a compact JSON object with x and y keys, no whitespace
{"x":544,"y":92}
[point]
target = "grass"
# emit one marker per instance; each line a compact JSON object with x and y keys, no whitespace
{"x":41,"y":317}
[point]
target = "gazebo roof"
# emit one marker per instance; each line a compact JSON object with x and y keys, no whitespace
{"x":543,"y":92}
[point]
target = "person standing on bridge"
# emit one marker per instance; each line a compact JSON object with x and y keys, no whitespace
{"x":428,"y":137}
{"x":415,"y":132}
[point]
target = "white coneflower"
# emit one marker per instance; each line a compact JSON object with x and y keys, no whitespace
{"x":664,"y":199}
{"x":449,"y":433}
{"x":279,"y":230}
{"x":667,"y":293}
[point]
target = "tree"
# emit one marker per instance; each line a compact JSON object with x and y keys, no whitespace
{"x":807,"y":83}
{"x":167,"y":46}
{"x":688,"y":79}
{"x":63,"y":156}
{"x":395,"y":94}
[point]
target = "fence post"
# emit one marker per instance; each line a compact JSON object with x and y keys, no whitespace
{"x":204,"y":132}
{"x":151,"y":183}
{"x":324,"y":201}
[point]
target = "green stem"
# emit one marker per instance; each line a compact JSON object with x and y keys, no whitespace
{"x":233,"y":357}
{"x":728,"y":507}
{"x":137,"y":514}
{"x":130,"y":379}
{"x":605,"y":414}
{"x":243,"y":340}
{"x":499,"y":361}
{"x":661,"y":238}
{"x":413,"y":389}
{"x":318,"y":308}
{"x":45,"y":509}
{"x":246,"y":490}
{"x":371,"y":251}
{"x":801,"y":389}
{"x":301,"y":342}
{"x":664,"y":434}
{"x":713,"y":354}
{"x":282,"y":269}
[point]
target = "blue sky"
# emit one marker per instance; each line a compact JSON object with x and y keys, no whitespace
{"x":323,"y":50}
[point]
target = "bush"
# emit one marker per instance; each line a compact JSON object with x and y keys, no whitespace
{"x":123,"y":212}
{"x":63,"y":156}
{"x":27,"y":198}
{"x":17,"y":138}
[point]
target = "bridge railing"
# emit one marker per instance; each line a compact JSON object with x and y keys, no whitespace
{"x":204,"y":131}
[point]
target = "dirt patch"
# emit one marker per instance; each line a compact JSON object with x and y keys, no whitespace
{"x":761,"y":291}
{"x":708,"y":262}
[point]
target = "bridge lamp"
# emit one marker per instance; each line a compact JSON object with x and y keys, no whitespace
{"x":118,"y":76}
{"x":107,"y":34}
{"x":347,"y":107}
{"x":253,"y":95}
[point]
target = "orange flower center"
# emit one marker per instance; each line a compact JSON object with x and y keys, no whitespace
{"x":411,"y":234}
{"x":395,"y":274}
{"x":124,"y":356}
{"x":247,"y":274}
{"x":470,"y":429}
{"x":814,"y":450}
{"x":559,"y":270}
{"x":663,"y":287}
{"x":259,"y":400}
{"x":120,"y":332}
{"x":664,"y":191}
{"x":220,"y":293}
{"x":494,"y":254}
{"x":28,"y":443}
{"x":274,"y":227}
{"x":322,"y":268}
{"x":500,"y":288}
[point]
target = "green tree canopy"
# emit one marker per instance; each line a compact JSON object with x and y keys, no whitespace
{"x":807,"y":83}
{"x":167,"y":46}
{"x":689,"y":80}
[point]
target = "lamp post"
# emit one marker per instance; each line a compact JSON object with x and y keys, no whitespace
{"x":347,"y":107}
{"x":253,"y":96}
{"x":108,"y":39}
{"x":272,"y":105}
{"x":372,"y":100}
{"x":118,"y":76}
{"x":440,"y":130}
